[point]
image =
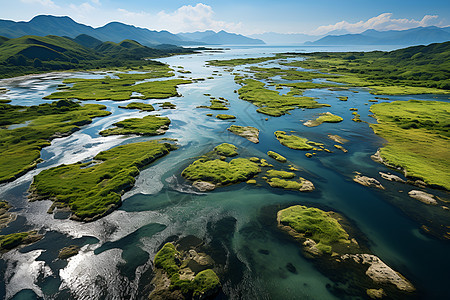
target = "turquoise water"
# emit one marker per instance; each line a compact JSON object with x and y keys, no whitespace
{"x":237,"y":222}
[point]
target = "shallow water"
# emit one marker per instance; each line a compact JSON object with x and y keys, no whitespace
{"x":238,"y":222}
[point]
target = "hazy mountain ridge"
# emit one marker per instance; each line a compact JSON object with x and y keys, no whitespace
{"x":44,"y":25}
{"x":414,"y":36}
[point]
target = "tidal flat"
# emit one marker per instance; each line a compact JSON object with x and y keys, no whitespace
{"x":246,"y":176}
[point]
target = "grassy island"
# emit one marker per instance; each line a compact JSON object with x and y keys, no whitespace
{"x":139,"y":105}
{"x":13,"y":240}
{"x":26,"y":130}
{"x":149,"y":125}
{"x":320,"y":226}
{"x":215,"y":105}
{"x":226,"y":149}
{"x":323,"y":118}
{"x":271,"y":102}
{"x":418,"y":138}
{"x":277,"y":156}
{"x":117,"y":89}
{"x":293,"y":141}
{"x":221,"y":172}
{"x":93,"y":189}
{"x":225,"y":117}
{"x":243,"y":61}
{"x":412,"y":70}
{"x":171,"y":261}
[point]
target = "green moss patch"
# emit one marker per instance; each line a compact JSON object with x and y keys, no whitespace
{"x":277,"y":156}
{"x":418,"y":138}
{"x":280,"y":174}
{"x":284,"y":184}
{"x":221,"y":172}
{"x":93,"y":189}
{"x":170,"y":260}
{"x":225,"y":117}
{"x":226,"y":149}
{"x":139,"y":105}
{"x":149,"y":125}
{"x":215,"y":105}
{"x":20,"y":147}
{"x":13,"y":240}
{"x":323,"y":118}
{"x":293,"y":141}
{"x":167,"y":105}
{"x":318,"y":225}
{"x":271,"y":102}
{"x":117,"y":89}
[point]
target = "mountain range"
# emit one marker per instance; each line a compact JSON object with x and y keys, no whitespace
{"x":414,"y":36}
{"x":44,"y":25}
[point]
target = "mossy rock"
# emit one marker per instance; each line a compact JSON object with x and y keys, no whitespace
{"x":225,"y":117}
{"x":226,"y":149}
{"x":293,"y":141}
{"x":277,"y":156}
{"x":313,"y":223}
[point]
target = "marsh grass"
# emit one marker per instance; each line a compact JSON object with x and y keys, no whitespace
{"x":92,"y":190}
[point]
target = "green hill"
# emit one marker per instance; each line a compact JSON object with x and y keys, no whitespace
{"x":36,"y":54}
{"x":418,"y":67}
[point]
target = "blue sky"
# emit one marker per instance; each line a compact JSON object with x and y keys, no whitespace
{"x":241,"y":16}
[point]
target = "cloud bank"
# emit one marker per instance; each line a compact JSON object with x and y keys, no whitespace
{"x":382,"y":22}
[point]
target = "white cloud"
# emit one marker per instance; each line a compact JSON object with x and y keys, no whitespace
{"x":192,"y":18}
{"x":381,"y":23}
{"x":83,"y":8}
{"x":48,"y":3}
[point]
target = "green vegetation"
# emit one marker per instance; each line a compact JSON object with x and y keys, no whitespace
{"x":287,"y":74}
{"x":148,"y":125}
{"x":284,"y":184}
{"x":5,"y":216}
{"x":215,"y":105}
{"x":225,"y":117}
{"x":243,"y":61}
{"x":271,"y":102}
{"x":418,"y":138}
{"x":318,"y":225}
{"x":221,"y":172}
{"x":117,"y":89}
{"x":280,"y":174}
{"x":277,"y":156}
{"x":20,"y":147}
{"x":11,"y":241}
{"x":69,"y":251}
{"x":293,"y":141}
{"x":37,"y":54}
{"x":324,"y":118}
{"x":413,"y":70}
{"x":93,"y":189}
{"x":168,"y":259}
{"x":226,"y":149}
{"x":343,"y":98}
{"x":167,"y":105}
{"x":356,"y":117}
{"x":139,"y":105}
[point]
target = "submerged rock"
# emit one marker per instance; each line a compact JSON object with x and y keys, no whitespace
{"x":204,"y":186}
{"x":391,"y":177}
{"x":367,"y":181}
{"x":375,"y":294}
{"x":248,"y":132}
{"x":423,"y":197}
{"x":379,"y":272}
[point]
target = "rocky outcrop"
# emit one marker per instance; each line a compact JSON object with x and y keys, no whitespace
{"x":423,"y":197}
{"x":367,"y":181}
{"x":379,"y":272}
{"x":5,"y":216}
{"x":391,"y":177}
{"x":203,"y":186}
{"x":248,"y":132}
{"x":341,"y":148}
{"x":337,"y":138}
{"x":375,"y":294}
{"x":307,"y":186}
